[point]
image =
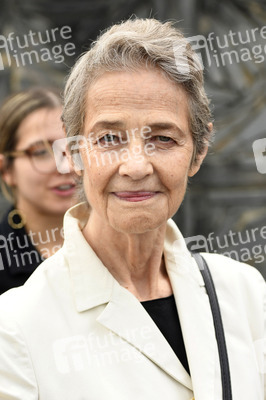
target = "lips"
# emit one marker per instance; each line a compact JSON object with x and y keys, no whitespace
{"x":135,"y":196}
{"x":65,"y":189}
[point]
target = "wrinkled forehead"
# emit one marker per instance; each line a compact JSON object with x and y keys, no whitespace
{"x":135,"y":98}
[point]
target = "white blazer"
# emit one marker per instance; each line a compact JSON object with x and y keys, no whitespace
{"x":73,"y":333}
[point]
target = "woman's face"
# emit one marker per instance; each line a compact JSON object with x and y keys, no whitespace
{"x":48,"y":193}
{"x":139,"y":151}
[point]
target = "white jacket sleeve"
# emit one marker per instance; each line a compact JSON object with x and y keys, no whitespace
{"x":17,"y":378}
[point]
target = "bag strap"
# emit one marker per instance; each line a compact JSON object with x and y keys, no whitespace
{"x":218,"y":325}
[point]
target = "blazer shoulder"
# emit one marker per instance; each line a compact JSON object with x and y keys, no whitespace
{"x":232,"y":273}
{"x":20,"y":301}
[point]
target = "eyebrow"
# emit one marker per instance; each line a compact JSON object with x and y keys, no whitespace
{"x":105,"y":124}
{"x":36,"y":143}
{"x":118,"y":124}
{"x":164,"y":126}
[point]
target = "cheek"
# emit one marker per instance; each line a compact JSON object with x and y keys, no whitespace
{"x":173,"y":172}
{"x":36,"y":180}
{"x":35,"y":184}
{"x":177,"y":188}
{"x":95,"y":181}
{"x":92,"y":172}
{"x":98,"y":170}
{"x":23,"y":174}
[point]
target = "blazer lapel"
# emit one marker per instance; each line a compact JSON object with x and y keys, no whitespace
{"x":125,"y":316}
{"x":195,"y":317}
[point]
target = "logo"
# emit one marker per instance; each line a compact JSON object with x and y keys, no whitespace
{"x":197,"y":243}
{"x":74,"y":144}
{"x":6,"y":56}
{"x":219,"y":51}
{"x":181,"y":60}
{"x":259,"y":149}
{"x":200,"y":46}
{"x":92,"y":151}
{"x":29,"y":48}
{"x":71,"y":354}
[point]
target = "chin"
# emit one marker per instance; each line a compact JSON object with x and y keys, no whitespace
{"x":62,"y":208}
{"x":58,"y":211}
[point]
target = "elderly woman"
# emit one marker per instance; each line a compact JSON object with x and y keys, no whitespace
{"x":121,"y":311}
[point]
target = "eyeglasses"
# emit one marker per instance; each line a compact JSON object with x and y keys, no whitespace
{"x":40,"y":154}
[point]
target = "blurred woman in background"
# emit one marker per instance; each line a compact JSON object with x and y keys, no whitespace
{"x":31,"y":230}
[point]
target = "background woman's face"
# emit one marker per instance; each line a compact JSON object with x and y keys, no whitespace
{"x":139,"y":149}
{"x":49,"y":193}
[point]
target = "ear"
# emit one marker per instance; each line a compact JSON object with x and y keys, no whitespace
{"x":7,"y":174}
{"x":194,"y":168}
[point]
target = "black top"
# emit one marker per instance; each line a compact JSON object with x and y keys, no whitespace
{"x":164,"y":314}
{"x":18,"y":256}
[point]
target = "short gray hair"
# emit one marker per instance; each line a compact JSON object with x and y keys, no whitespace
{"x":128,"y":46}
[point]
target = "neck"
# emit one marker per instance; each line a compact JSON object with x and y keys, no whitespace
{"x":135,"y":260}
{"x":45,"y":230}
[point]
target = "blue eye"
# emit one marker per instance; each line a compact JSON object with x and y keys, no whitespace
{"x":164,"y":138}
{"x":109,"y":139}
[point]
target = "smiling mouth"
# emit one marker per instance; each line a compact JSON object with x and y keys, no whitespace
{"x":135,"y":196}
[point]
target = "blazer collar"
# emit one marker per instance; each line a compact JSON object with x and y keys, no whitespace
{"x":92,"y":283}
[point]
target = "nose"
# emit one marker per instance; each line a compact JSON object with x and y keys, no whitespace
{"x":135,"y":163}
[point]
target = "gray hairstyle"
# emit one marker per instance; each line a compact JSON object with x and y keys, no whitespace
{"x":128,"y":46}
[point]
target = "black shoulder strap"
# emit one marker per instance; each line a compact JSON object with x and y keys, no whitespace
{"x":218,"y":325}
